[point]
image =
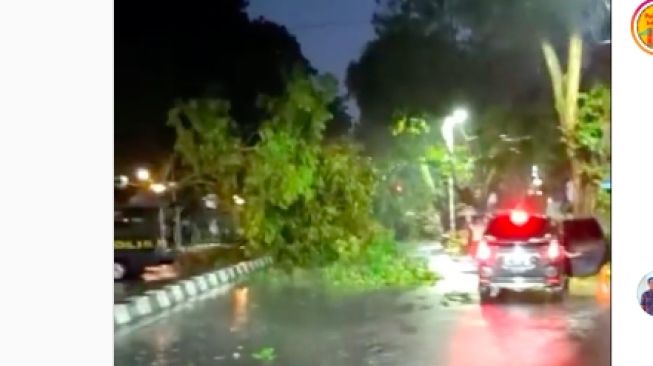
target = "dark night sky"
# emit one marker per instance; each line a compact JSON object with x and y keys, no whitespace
{"x":332,"y":33}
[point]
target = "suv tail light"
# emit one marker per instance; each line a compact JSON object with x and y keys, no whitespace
{"x":483,"y":252}
{"x":554,"y":252}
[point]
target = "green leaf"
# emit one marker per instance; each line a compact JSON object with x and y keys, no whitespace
{"x":266,"y":354}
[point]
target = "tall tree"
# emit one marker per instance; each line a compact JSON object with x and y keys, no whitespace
{"x":566,"y":93}
{"x":565,"y":86}
{"x":307,"y":201}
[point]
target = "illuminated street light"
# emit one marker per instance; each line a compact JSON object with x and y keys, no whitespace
{"x":123,"y":181}
{"x":210,"y":201}
{"x":239,"y":200}
{"x":142,"y":174}
{"x":460,"y":115}
{"x":158,"y":188}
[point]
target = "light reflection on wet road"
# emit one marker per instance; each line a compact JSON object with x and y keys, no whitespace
{"x":308,"y":327}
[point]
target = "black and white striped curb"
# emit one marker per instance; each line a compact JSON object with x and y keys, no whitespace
{"x":154,"y":302}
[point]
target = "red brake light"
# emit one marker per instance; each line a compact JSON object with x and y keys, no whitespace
{"x":518,"y":217}
{"x":554,"y":249}
{"x":483,"y":251}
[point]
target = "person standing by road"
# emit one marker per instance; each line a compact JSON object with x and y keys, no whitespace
{"x":647,"y":298}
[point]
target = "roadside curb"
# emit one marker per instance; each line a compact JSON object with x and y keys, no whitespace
{"x":199,"y":247}
{"x":151,"y":303}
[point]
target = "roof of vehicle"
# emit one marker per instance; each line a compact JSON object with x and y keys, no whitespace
{"x":136,"y":198}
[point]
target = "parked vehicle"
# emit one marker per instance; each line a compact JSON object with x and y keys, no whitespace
{"x":138,"y":241}
{"x":523,"y":251}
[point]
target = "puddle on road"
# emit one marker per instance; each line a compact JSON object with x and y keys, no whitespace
{"x":240,"y":306}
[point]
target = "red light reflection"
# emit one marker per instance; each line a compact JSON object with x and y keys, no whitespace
{"x":496,"y":335}
{"x":159,"y":273}
{"x":239,"y":308}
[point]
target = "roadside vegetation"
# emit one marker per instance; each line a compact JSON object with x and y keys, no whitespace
{"x":308,"y":201}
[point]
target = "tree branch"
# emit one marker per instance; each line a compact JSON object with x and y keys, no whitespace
{"x":573,"y":79}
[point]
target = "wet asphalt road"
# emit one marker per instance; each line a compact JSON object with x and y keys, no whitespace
{"x":303,"y":327}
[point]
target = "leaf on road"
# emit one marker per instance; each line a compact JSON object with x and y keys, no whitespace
{"x":266,"y":354}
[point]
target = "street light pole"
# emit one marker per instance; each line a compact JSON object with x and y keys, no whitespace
{"x":458,"y":116}
{"x":447,"y":134}
{"x":452,"y":205}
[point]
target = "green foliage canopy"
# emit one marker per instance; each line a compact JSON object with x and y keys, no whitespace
{"x":307,"y":201}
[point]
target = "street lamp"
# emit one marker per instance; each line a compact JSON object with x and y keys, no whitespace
{"x":122,"y":181}
{"x":158,"y":188}
{"x":142,"y":174}
{"x":238,"y":200}
{"x":459,"y":116}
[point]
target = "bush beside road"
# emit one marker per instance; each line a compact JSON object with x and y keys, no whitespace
{"x":382,"y":263}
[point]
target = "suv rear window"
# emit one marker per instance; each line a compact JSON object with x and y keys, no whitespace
{"x":501,"y":227}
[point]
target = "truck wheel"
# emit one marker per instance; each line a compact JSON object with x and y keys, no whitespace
{"x":119,"y":271}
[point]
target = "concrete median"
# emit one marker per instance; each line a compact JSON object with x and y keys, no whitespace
{"x":137,"y":308}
